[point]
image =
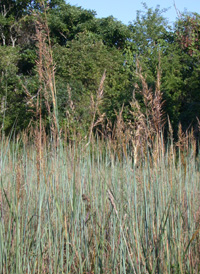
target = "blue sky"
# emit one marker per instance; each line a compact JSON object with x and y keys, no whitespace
{"x":125,"y":10}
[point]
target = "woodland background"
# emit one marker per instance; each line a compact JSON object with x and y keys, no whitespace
{"x":83,"y":48}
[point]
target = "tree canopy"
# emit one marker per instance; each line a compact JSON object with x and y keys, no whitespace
{"x":84,"y":47}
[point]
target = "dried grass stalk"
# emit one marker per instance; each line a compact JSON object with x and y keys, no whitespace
{"x":148,"y":125}
{"x":95,"y":107}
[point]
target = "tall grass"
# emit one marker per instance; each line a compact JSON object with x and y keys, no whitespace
{"x":93,"y":213}
{"x":128,"y":203}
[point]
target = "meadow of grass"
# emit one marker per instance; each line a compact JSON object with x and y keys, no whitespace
{"x":127,"y":201}
{"x":82,"y":209}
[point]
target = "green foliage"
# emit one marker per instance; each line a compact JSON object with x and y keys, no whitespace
{"x":150,"y":37}
{"x":12,"y":14}
{"x":187,"y":30}
{"x":67,"y":21}
{"x":154,"y":40}
{"x":80,"y":65}
{"x":85,"y":46}
{"x":13,"y":108}
{"x":113,"y":32}
{"x":187,"y":36}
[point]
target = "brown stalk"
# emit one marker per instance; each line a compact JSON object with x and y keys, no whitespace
{"x":95,"y":107}
{"x":198,"y":121}
{"x":121,"y":135}
{"x":46,"y":69}
{"x":47,"y":88}
{"x":148,"y":125}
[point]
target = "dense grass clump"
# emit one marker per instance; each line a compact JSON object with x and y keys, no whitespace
{"x":125,"y":201}
{"x":82,"y":209}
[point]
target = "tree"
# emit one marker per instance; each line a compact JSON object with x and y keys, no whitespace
{"x":81,"y":65}
{"x":13,"y":107}
{"x":150,"y":34}
{"x":66,"y":21}
{"x":187,"y":36}
{"x":11,"y":13}
{"x":178,"y":52}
